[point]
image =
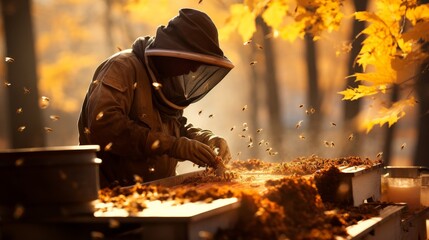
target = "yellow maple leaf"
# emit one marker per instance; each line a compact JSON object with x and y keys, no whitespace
{"x":418,"y":13}
{"x":384,"y":76}
{"x":369,"y":17}
{"x":388,"y":115}
{"x":361,"y":91}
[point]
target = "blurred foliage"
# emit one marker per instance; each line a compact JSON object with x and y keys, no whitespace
{"x":393,"y":48}
{"x":148,"y":10}
{"x":62,"y":56}
{"x":289,"y":19}
{"x":59,"y":77}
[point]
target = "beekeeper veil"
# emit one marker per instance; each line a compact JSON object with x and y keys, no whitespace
{"x":186,"y":59}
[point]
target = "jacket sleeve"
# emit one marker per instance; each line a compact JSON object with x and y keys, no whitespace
{"x":189,"y":131}
{"x":108,"y":105}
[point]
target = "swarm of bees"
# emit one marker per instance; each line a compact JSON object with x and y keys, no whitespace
{"x":43,"y":102}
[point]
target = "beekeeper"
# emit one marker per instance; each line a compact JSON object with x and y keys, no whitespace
{"x":134,"y":106}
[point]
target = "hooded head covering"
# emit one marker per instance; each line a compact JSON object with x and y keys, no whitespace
{"x":190,"y":41}
{"x":191,"y":31}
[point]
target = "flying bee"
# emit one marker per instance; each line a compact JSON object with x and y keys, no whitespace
{"x":245,"y":129}
{"x":253,"y":63}
{"x":135,"y":85}
{"x":333,"y":124}
{"x":244,"y":124}
{"x":87,"y":131}
{"x":310,"y":111}
{"x":238,"y":154}
{"x":403,"y":146}
{"x":242,"y":136}
{"x":19,"y":110}
{"x":44,"y":102}
{"x":261,"y":142}
{"x":99,"y":116}
{"x":301,"y":105}
{"x":351,"y":136}
{"x":250,"y":145}
{"x":302,"y":137}
{"x":26,"y":90}
{"x":332,"y":144}
{"x":9,"y":60}
{"x":21,"y":129}
{"x":108,"y":147}
{"x":247,"y":42}
{"x":298,"y":125}
{"x":379,"y":155}
{"x":259,"y":130}
{"x":157,"y":85}
{"x":95,"y":82}
{"x":244,"y":107}
{"x":7,"y":84}
{"x":232,"y":128}
{"x":259,"y":46}
{"x":48,"y":129}
{"x":327,"y":144}
{"x":54,"y":117}
{"x":211,"y":116}
{"x":268,"y":149}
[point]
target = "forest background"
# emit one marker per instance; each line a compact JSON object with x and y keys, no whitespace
{"x":295,"y":62}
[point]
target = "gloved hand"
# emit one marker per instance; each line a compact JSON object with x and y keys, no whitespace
{"x":194,"y":151}
{"x":221,"y":144}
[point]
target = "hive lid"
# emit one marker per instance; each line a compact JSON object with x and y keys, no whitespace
{"x":49,"y":155}
{"x":405,"y":171}
{"x":52,"y":149}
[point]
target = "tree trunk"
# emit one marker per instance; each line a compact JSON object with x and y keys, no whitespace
{"x":390,"y":131}
{"x":352,"y":108}
{"x":254,"y":107}
{"x":273,"y":99}
{"x":313,"y":98}
{"x":421,"y":154}
{"x":26,"y":127}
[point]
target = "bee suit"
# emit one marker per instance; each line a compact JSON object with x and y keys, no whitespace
{"x":134,"y":106}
